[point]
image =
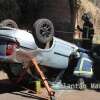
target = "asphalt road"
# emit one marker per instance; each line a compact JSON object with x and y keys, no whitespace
{"x":78,"y":95}
{"x":61,"y":95}
{"x":9,"y":91}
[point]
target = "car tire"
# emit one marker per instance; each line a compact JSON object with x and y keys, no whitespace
{"x":43,"y":30}
{"x":9,"y":23}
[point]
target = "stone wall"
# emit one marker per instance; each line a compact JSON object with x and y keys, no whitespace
{"x":93,"y":8}
{"x":26,"y":12}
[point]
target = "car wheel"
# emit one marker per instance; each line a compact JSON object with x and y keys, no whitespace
{"x":9,"y":23}
{"x":44,"y":30}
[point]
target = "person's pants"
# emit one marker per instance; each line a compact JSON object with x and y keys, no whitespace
{"x":87,"y":44}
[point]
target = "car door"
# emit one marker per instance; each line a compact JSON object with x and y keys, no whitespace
{"x":57,"y":56}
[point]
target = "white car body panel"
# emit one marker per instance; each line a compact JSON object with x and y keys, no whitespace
{"x":56,"y":57}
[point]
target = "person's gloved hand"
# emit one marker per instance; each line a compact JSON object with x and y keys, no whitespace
{"x":78,"y":27}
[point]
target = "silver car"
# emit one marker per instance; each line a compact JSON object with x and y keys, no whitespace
{"x":51,"y":52}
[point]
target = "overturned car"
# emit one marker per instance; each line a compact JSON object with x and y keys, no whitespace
{"x":50,"y":52}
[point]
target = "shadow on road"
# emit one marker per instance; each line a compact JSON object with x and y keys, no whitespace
{"x":29,"y":95}
{"x":6,"y":86}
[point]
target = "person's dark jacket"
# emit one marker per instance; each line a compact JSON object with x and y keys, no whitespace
{"x":88,"y":30}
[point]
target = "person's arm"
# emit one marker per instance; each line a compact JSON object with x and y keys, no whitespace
{"x":92,"y":30}
{"x":80,"y":29}
{"x":92,"y":33}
